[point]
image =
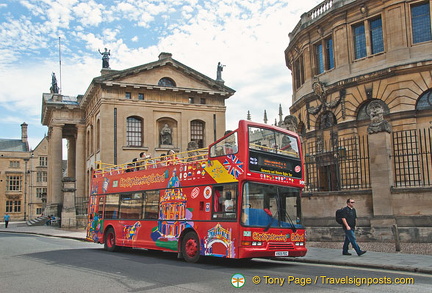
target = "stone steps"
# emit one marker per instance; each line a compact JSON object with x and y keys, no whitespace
{"x":39,"y":221}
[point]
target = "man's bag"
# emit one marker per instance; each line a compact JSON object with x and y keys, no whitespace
{"x":339,"y":213}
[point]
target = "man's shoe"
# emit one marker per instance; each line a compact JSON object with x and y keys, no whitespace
{"x":346,"y":253}
{"x":362,"y":252}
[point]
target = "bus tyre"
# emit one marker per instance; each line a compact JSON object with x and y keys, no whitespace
{"x":109,"y":243}
{"x":191,"y":247}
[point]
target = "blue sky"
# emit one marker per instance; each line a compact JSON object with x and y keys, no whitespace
{"x":248,"y":36}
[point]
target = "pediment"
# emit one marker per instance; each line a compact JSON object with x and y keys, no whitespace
{"x":150,"y":74}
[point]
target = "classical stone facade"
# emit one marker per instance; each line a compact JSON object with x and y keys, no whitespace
{"x":23,"y":177}
{"x":152,"y":108}
{"x":362,"y":98}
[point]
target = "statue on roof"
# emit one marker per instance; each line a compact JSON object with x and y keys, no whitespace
{"x":219,"y":72}
{"x":105,"y":58}
{"x":54,"y":89}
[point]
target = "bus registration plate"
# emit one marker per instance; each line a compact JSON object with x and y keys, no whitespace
{"x":281,"y":253}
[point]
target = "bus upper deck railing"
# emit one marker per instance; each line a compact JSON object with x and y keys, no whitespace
{"x":153,"y":163}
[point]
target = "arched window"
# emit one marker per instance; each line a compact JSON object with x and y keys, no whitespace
{"x":134,"y":131}
{"x":98,"y":135}
{"x":88,"y":143}
{"x":363,"y":113}
{"x":326,"y":120}
{"x":197,"y":132}
{"x":424,"y":102}
{"x":166,"y":81}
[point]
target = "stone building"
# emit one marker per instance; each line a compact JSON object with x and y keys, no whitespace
{"x":152,"y":108}
{"x":362,"y":84}
{"x":23,"y":177}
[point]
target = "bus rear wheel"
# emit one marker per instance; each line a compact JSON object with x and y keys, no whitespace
{"x":110,"y":242}
{"x":191,"y":247}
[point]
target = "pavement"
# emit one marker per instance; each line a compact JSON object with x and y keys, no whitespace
{"x":380,"y":260}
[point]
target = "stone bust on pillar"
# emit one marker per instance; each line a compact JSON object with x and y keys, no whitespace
{"x":376,"y":113}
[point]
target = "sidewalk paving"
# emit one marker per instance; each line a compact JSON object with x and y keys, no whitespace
{"x":380,"y":260}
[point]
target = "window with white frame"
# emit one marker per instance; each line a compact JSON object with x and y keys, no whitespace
{"x":134,"y":131}
{"x":14,"y":183}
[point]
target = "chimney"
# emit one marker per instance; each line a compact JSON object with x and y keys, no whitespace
{"x":24,"y":132}
{"x":164,"y":55}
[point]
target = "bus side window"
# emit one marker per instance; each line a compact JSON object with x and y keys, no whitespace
{"x":112,"y":206}
{"x":101,"y":206}
{"x":228,"y":203}
{"x":151,"y":204}
{"x":224,"y":202}
{"x":217,"y":203}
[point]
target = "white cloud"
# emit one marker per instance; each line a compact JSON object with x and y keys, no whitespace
{"x":89,"y":14}
{"x":248,"y":36}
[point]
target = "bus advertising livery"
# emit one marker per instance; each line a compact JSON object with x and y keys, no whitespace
{"x":238,"y":198}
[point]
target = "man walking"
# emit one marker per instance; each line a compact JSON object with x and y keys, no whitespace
{"x":6,"y":219}
{"x":349,"y":217}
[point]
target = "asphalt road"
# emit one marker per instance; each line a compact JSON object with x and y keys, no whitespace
{"x":30,"y":263}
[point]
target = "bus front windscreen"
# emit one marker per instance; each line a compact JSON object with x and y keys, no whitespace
{"x":270,"y":206}
{"x":273,"y":152}
{"x":274,"y":142}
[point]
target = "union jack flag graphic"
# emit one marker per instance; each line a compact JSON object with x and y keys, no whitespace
{"x":233,"y":165}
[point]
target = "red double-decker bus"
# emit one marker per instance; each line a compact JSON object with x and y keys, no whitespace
{"x":238,"y":198}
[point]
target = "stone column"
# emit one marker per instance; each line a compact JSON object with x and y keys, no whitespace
{"x":55,"y":172}
{"x":71,"y":157}
{"x":80,"y":166}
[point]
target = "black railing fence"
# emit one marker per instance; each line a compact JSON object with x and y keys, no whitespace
{"x":412,"y":158}
{"x":337,"y":165}
{"x":343,"y":164}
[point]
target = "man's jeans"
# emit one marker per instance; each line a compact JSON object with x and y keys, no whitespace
{"x":350,"y":238}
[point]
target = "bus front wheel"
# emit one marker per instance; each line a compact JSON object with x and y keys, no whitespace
{"x":191,"y":247}
{"x":110,"y":242}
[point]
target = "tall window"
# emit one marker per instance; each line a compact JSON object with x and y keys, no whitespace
{"x":421,"y":22}
{"x":299,"y":72}
{"x":14,"y":183}
{"x":376,"y":35}
{"x":41,"y":176}
{"x":324,"y":55}
{"x":41,"y":192}
{"x":43,"y":161}
{"x":329,"y":53}
{"x":359,"y":41}
{"x":128,"y":95}
{"x":197,"y":132}
{"x":97,"y":135}
{"x":134,"y":131}
{"x":320,"y":58}
{"x":371,"y":31}
{"x":141,"y":96}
